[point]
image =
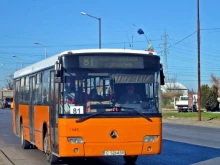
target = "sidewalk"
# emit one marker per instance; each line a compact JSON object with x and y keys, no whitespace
{"x":192,"y":121}
{"x":4,"y":160}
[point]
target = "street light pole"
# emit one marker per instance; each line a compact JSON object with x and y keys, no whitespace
{"x":198,"y":38}
{"x":19,"y":59}
{"x":45,"y":50}
{"x":99,"y":19}
{"x":140,"y":31}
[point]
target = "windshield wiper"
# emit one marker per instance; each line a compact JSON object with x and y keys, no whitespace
{"x":92,"y":115}
{"x":87,"y":117}
{"x":98,"y":113}
{"x":133,"y":109}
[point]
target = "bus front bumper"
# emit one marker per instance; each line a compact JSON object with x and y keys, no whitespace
{"x":109,"y":149}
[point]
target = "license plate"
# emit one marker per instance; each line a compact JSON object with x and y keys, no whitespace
{"x":110,"y":153}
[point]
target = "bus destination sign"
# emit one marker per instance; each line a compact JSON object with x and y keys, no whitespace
{"x":124,"y":62}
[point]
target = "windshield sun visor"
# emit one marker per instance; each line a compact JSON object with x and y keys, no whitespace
{"x":131,"y":78}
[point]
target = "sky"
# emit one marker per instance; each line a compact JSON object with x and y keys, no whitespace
{"x":59,"y":26}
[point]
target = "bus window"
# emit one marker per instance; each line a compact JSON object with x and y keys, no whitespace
{"x":137,"y":91}
{"x":68,"y":93}
{"x":84,"y":91}
{"x":45,"y":91}
{"x":38,"y":89}
{"x":21,"y":92}
{"x":26,"y":91}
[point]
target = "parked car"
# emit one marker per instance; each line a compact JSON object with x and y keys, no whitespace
{"x":7,"y":102}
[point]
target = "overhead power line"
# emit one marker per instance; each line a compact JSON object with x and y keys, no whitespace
{"x":195,"y":46}
{"x":180,"y":41}
{"x":211,"y":29}
{"x":71,"y":45}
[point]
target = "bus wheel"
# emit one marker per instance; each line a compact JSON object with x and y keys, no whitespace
{"x":33,"y":146}
{"x":24,"y":143}
{"x":130,"y":159}
{"x":51,"y":159}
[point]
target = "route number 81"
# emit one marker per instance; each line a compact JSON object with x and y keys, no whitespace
{"x":87,"y":61}
{"x":76,"y":110}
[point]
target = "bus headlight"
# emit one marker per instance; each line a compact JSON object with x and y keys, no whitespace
{"x":75,"y":140}
{"x":150,"y":138}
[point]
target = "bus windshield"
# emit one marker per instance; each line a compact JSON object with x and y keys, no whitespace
{"x":92,"y":92}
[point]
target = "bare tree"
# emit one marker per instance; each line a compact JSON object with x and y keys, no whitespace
{"x":173,"y":88}
{"x":216,"y":82}
{"x":192,"y":91}
{"x":9,"y":84}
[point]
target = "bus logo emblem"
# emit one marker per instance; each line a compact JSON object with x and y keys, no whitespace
{"x":113,"y":134}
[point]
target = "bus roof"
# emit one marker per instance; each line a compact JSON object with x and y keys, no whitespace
{"x":50,"y":61}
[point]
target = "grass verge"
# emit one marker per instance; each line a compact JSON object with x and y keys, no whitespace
{"x":204,"y":115}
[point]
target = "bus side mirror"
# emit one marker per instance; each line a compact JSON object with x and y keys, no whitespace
{"x":162,"y":77}
{"x":57,"y":76}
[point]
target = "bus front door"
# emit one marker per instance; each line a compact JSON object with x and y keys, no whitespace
{"x":54,"y":88}
{"x":31,"y":108}
{"x":16,"y":101}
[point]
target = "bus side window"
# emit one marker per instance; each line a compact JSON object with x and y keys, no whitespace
{"x":26,"y":90}
{"x":21,"y":92}
{"x":45,"y":92}
{"x":38,"y":89}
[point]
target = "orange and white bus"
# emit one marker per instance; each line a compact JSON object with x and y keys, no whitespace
{"x":75,"y":104}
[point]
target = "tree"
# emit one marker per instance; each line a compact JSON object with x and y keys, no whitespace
{"x":216,"y":82}
{"x":171,"y":89}
{"x":192,"y":91}
{"x":204,"y":95}
{"x":211,"y":102}
{"x":9,"y":83}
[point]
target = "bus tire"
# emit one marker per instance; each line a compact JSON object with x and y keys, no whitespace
{"x":33,"y":146}
{"x":51,"y":159}
{"x":130,"y":159}
{"x":24,"y":143}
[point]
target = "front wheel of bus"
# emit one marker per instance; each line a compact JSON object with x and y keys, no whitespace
{"x":51,"y":159}
{"x":130,"y":159}
{"x":24,"y":143}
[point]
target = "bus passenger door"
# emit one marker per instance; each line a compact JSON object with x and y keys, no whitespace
{"x":53,"y":117}
{"x":31,"y":108}
{"x":16,"y":101}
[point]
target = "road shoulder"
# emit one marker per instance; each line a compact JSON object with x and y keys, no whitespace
{"x":192,"y":121}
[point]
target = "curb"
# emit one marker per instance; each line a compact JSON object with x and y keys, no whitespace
{"x":202,"y":124}
{"x":4,"y":160}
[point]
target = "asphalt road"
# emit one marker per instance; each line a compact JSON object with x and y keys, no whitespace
{"x":182,"y":145}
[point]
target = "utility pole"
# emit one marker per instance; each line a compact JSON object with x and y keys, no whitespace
{"x":165,"y":52}
{"x":198,"y":38}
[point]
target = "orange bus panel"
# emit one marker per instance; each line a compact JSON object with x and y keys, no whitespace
{"x":96,"y":135}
